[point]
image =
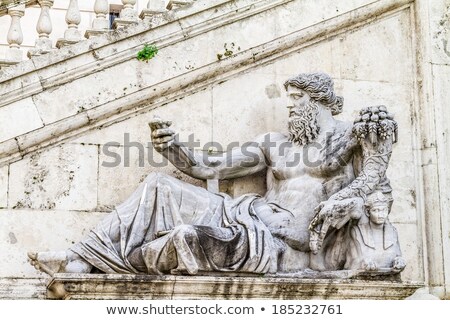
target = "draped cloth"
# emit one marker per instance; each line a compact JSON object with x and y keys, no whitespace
{"x":167,"y":226}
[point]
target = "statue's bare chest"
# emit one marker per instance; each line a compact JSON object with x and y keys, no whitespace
{"x":288,"y":161}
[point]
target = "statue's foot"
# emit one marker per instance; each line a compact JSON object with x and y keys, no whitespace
{"x":52,"y":262}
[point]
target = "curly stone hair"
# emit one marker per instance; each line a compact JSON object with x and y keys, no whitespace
{"x":320,"y":87}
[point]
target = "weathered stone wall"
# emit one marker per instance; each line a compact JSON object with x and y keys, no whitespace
{"x":55,"y":184}
{"x":433,"y":34}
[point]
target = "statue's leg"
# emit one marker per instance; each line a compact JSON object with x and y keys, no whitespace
{"x":157,"y":206}
{"x":188,"y":249}
{"x":187,"y":203}
{"x":52,"y":262}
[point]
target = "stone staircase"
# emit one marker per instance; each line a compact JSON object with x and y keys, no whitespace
{"x":41,"y":88}
{"x":16,"y":9}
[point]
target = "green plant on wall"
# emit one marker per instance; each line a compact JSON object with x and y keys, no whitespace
{"x":228,"y":51}
{"x":148,"y":52}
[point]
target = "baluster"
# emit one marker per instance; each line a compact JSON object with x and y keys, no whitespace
{"x":100,"y":24}
{"x":73,"y":19}
{"x":176,"y":4}
{"x":43,"y":28}
{"x":15,"y":37}
{"x":127,"y":16}
{"x":154,"y":13}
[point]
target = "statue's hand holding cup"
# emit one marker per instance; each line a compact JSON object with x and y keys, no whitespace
{"x":162,"y":136}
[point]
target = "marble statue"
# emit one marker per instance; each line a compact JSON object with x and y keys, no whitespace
{"x":316,"y":177}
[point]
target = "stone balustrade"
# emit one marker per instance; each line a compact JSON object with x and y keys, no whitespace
{"x":153,"y":14}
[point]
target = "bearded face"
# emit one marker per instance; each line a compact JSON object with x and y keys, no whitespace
{"x":303,"y":126}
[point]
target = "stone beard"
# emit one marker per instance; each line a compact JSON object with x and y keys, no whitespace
{"x":303,"y":126}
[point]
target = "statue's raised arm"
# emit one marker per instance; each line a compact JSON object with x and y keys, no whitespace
{"x":376,"y":131}
{"x":234,"y":163}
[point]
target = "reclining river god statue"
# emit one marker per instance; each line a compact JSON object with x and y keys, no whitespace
{"x":319,"y":179}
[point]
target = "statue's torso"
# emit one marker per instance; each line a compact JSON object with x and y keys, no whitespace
{"x":297,"y":183}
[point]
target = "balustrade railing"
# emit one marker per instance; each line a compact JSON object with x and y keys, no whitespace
{"x":16,"y":9}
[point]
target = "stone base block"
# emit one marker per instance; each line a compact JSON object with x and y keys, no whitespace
{"x":101,"y":286}
{"x":177,"y":4}
{"x":7,"y":63}
{"x":42,"y":46}
{"x":95,"y":33}
{"x":100,"y":24}
{"x":63,"y":42}
{"x":122,"y":23}
{"x":14,"y":55}
{"x":154,"y":17}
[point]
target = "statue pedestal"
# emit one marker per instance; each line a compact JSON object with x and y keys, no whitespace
{"x":112,"y":286}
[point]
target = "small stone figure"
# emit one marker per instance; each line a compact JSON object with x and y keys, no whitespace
{"x":373,"y":243}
